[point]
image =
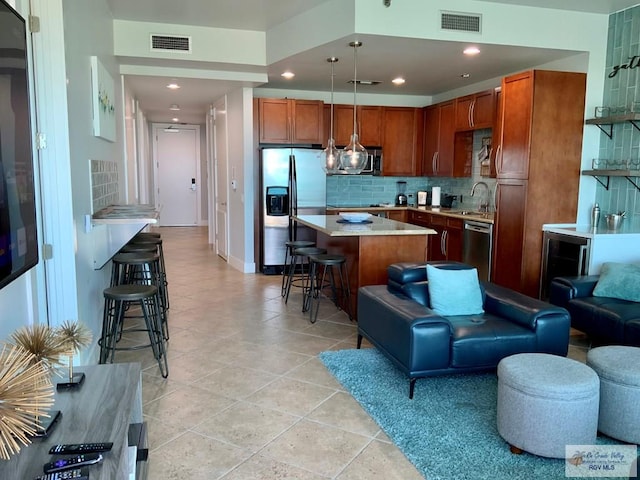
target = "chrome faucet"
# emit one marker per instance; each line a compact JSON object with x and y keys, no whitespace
{"x":484,"y":205}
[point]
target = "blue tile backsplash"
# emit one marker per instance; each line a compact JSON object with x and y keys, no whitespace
{"x":623,"y":90}
{"x":365,"y":190}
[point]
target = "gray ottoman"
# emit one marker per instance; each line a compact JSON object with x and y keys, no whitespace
{"x":619,"y":370}
{"x":546,"y":402}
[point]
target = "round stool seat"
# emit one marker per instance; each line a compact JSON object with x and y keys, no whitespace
{"x":138,"y":247}
{"x":619,"y":370}
{"x":546,"y":402}
{"x":328,"y":259}
{"x":130,"y":292}
{"x":135,"y":258}
{"x":307,"y":251}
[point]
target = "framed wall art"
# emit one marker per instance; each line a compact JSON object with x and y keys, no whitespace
{"x":103,"y":101}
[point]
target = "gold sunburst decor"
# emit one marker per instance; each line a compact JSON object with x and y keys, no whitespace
{"x":73,"y":336}
{"x":43,"y":343}
{"x":24,"y":391}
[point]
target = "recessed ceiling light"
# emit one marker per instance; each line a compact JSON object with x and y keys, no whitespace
{"x":174,"y":107}
{"x":173,"y":86}
{"x":175,"y":119}
{"x":465,"y":75}
{"x":471,"y":51}
{"x":398,"y":81}
{"x":288,"y":75}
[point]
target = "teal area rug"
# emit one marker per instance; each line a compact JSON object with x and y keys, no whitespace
{"x":448,"y":431}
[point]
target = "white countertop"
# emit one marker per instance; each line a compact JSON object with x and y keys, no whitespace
{"x":628,"y":228}
{"x":447,"y":212}
{"x":330,"y":225}
{"x":122,"y":214}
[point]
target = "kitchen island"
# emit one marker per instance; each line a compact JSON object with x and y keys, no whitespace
{"x":369,"y":247}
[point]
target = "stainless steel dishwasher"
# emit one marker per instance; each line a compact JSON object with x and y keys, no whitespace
{"x":476,"y":247}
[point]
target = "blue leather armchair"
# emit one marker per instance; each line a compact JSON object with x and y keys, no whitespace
{"x":397,"y":320}
{"x":605,"y":320}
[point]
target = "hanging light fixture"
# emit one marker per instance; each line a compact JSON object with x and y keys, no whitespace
{"x":354,"y":156}
{"x":331,"y":154}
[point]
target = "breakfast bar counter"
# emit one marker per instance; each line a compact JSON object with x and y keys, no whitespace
{"x":369,"y":247}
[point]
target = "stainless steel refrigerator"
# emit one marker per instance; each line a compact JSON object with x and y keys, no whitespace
{"x":292,"y":182}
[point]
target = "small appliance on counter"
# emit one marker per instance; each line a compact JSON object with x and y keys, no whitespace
{"x":424,"y":198}
{"x":401,"y":197}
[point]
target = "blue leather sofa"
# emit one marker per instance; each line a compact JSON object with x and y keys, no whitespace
{"x":397,"y":320}
{"x":607,"y":321}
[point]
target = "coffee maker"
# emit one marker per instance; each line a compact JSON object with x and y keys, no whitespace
{"x":401,"y":197}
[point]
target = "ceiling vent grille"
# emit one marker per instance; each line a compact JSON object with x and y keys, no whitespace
{"x":170,"y":43}
{"x":460,"y":22}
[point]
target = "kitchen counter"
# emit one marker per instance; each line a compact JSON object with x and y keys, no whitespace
{"x":604,"y":245}
{"x":330,"y":225}
{"x":461,"y":213}
{"x":113,"y":226}
{"x":369,"y":247}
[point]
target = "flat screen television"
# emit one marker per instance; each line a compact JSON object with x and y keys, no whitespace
{"x":18,"y":227}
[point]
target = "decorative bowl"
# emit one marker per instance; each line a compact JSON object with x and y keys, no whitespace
{"x":354,"y":217}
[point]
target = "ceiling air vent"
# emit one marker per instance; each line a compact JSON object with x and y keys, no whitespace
{"x":170,"y":43}
{"x":460,"y":22}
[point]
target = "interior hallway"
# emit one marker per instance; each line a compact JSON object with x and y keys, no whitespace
{"x":247,"y":397}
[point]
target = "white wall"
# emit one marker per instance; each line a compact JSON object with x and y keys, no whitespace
{"x":240,"y":147}
{"x":88,"y":31}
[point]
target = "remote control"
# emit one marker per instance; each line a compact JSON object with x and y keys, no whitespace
{"x":76,"y":474}
{"x":74,"y":462}
{"x":73,"y":448}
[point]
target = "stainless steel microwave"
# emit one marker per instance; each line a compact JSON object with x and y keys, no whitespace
{"x":374,"y":162}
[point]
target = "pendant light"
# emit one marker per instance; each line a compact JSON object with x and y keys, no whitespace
{"x":353,"y":158}
{"x":331,"y":154}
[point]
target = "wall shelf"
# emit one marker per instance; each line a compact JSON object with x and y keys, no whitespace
{"x":606,"y":123}
{"x":628,"y":174}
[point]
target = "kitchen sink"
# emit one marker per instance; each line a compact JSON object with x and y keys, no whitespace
{"x":471,"y":212}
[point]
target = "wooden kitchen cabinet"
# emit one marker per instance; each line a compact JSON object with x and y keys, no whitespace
{"x":496,"y":134}
{"x":447,"y":243}
{"x":439,"y":130}
{"x":401,"y":141}
{"x":289,"y":121}
{"x":397,"y":215}
{"x":538,"y":169}
{"x":475,"y":111}
{"x":369,"y":119}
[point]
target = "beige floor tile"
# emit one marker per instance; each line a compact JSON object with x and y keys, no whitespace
{"x":381,"y":461}
{"x":319,"y":448}
{"x":195,"y":457}
{"x":314,"y":371}
{"x":160,"y":433}
{"x":236,"y":382}
{"x":263,"y":468}
{"x":247,"y":425}
{"x":187,"y":407}
{"x":291,"y":396}
{"x":342,"y":411}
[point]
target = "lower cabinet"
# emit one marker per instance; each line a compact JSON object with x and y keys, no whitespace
{"x":447,"y":243}
{"x":397,"y":215}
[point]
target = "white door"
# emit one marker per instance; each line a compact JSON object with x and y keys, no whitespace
{"x":221,"y":162}
{"x":176,"y":155}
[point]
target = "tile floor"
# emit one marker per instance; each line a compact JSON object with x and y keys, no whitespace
{"x":247,"y":397}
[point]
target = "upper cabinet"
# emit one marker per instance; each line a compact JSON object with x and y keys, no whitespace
{"x":288,"y":121}
{"x":401,"y":141}
{"x":369,"y":120}
{"x":439,"y":123}
{"x":475,"y":111}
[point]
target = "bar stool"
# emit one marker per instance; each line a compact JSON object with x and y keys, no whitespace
{"x":288,"y":262}
{"x":321,"y":265}
{"x":301,"y":264}
{"x":155,"y":240}
{"x":116,"y":300}
{"x":140,"y":267}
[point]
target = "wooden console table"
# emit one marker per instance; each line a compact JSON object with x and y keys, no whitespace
{"x":109,"y":400}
